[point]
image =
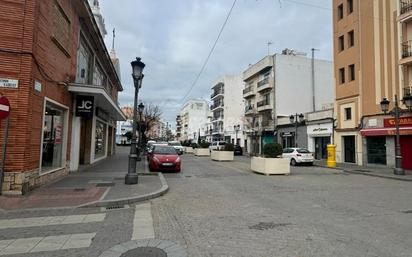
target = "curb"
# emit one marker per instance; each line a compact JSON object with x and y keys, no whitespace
{"x":129,"y":200}
{"x":368,"y":173}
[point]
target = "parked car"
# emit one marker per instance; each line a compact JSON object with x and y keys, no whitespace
{"x":151,"y":147}
{"x":217,"y":146}
{"x":298,"y":156}
{"x":164,"y":158}
{"x":177,"y":146}
{"x":238,"y":150}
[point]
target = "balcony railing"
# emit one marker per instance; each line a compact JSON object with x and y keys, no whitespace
{"x":263,"y":82}
{"x":407,"y":91}
{"x":407,"y":49}
{"x":262,"y":103}
{"x":406,"y":6}
{"x":217,"y":105}
{"x":249,"y":108}
{"x":247,"y":89}
{"x":219,"y":92}
{"x":217,"y":118}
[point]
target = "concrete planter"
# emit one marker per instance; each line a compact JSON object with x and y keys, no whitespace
{"x":188,"y":149}
{"x":202,"y":152}
{"x":271,"y":166}
{"x":222,"y":156}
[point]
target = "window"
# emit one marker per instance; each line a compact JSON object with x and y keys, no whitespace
{"x":351,"y":39}
{"x":340,"y":12}
{"x":98,"y":76}
{"x":84,"y":60}
{"x":342,"y":75}
{"x":348,"y":113}
{"x":350,"y":6}
{"x":352,"y":72}
{"x":376,"y":150}
{"x":341,"y":43}
{"x":53,"y":127}
{"x":100,"y":140}
{"x":61,"y":29}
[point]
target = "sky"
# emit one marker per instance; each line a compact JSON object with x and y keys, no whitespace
{"x":174,"y":37}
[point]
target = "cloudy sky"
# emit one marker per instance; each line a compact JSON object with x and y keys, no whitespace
{"x":174,"y":37}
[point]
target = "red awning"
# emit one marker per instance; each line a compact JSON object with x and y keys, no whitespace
{"x":385,"y":131}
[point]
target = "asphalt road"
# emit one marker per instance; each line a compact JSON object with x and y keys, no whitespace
{"x":222,"y":209}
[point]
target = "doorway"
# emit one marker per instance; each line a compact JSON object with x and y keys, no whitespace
{"x":406,"y":150}
{"x":349,"y":149}
{"x":321,"y":147}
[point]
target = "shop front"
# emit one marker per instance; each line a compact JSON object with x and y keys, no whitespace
{"x":319,"y":136}
{"x":379,"y":137}
{"x":288,"y":137}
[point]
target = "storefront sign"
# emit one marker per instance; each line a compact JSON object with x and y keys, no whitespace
{"x":404,"y":121}
{"x":287,"y":134}
{"x":58,"y":134}
{"x":9,"y":83}
{"x":37,"y":86}
{"x":84,"y":106}
{"x":320,"y":130}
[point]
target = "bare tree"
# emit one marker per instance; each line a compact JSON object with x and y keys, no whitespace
{"x":152,"y":115}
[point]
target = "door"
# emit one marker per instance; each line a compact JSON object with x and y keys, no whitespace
{"x":406,"y":150}
{"x":321,"y":147}
{"x":349,"y":148}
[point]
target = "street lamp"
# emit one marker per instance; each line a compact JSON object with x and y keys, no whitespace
{"x":296,"y":119}
{"x":397,"y":112}
{"x":140,"y":109}
{"x":236,"y":128}
{"x":137,"y":68}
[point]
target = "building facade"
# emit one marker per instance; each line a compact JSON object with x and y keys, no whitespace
{"x":281,"y":85}
{"x":194,"y":119}
{"x":372,"y":61}
{"x":228,"y":110}
{"x":63,"y":93}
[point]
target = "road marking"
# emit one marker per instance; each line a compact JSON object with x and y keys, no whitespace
{"x":51,"y":220}
{"x":48,"y":243}
{"x":143,"y":222}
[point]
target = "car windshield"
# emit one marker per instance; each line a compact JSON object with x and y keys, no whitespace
{"x":164,"y":150}
{"x":174,"y":144}
{"x":222,"y":143}
{"x":302,"y":150}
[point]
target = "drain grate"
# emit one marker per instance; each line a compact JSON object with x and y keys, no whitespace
{"x":79,"y":189}
{"x":268,"y":225}
{"x":116,"y":207}
{"x":105,"y":184}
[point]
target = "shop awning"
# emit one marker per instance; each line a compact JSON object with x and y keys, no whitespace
{"x":385,"y":131}
{"x":102,"y":99}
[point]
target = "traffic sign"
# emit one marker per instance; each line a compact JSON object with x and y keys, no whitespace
{"x":4,"y":107}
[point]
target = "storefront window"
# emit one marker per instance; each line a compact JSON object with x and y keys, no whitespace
{"x":52,"y":150}
{"x":376,"y":150}
{"x":100,"y":140}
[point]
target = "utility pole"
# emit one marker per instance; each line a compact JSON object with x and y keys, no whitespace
{"x":313,"y":79}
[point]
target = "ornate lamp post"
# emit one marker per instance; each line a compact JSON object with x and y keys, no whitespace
{"x":131,"y":176}
{"x":397,"y":112}
{"x":236,"y":128}
{"x":296,"y":119}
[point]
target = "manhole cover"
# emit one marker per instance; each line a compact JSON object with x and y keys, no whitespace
{"x":145,"y":252}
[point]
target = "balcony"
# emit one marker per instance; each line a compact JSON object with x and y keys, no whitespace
{"x":216,"y":106}
{"x":406,"y":53}
{"x":217,"y":93}
{"x":249,"y":110}
{"x":263,"y":84}
{"x":263,"y":105}
{"x":248,"y":91}
{"x":217,"y":118}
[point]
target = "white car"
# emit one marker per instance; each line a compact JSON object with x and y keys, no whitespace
{"x":217,"y":146}
{"x":298,"y":156}
{"x":177,"y":146}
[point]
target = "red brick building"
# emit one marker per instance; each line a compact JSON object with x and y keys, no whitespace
{"x":62,"y":86}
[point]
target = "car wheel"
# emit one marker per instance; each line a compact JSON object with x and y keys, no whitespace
{"x":293,"y":162}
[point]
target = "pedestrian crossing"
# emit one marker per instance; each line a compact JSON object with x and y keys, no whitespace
{"x":47,"y":242}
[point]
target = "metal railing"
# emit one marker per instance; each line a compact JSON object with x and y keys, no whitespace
{"x":247,"y":89}
{"x":406,"y":6}
{"x":219,"y":92}
{"x":217,"y":105}
{"x":263,"y":103}
{"x":407,"y":49}
{"x":263,"y":82}
{"x":249,"y":108}
{"x":407,"y":90}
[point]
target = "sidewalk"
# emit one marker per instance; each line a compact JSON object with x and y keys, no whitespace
{"x":374,"y":171}
{"x":97,"y":185}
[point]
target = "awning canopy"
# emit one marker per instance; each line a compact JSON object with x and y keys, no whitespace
{"x":386,"y":131}
{"x":101,"y":99}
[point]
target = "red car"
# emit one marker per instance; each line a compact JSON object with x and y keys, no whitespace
{"x":164,"y":158}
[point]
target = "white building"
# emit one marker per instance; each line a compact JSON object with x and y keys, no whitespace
{"x":94,"y":5}
{"x":193,"y":117}
{"x":280,"y":85}
{"x":228,"y":109}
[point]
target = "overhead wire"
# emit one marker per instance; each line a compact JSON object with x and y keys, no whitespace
{"x":210,"y":52}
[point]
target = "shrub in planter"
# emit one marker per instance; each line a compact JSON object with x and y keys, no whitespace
{"x":204,"y":144}
{"x":194,"y":145}
{"x":272,"y":150}
{"x":229,"y":147}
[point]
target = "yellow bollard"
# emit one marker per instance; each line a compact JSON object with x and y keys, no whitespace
{"x":331,"y":156}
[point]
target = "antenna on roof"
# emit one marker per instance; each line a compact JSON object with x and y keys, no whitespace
{"x":114,"y":35}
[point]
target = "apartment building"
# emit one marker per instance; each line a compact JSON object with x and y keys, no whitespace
{"x":63,"y":93}
{"x":178,"y":135}
{"x":193,"y":117}
{"x":373,"y":61}
{"x":228,"y":110}
{"x":278,"y":86}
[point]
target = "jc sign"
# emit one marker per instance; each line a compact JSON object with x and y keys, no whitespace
{"x":84,"y":106}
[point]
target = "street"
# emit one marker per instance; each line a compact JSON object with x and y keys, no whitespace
{"x":222,"y":209}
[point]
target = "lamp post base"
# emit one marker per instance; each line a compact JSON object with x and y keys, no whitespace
{"x":399,"y":171}
{"x":131,"y":179}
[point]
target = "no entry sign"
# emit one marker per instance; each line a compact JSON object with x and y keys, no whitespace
{"x":4,"y":107}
